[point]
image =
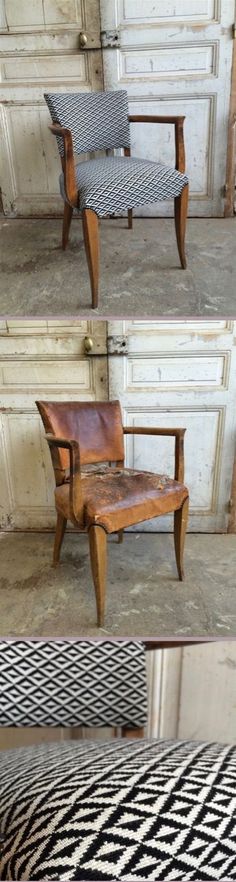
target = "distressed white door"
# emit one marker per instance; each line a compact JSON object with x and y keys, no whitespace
{"x":39,"y":52}
{"x":41,"y":359}
{"x":180,"y":373}
{"x":192,"y":692}
{"x":175,"y":57}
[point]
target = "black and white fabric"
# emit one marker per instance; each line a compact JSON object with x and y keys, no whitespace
{"x":126,"y":810}
{"x":97,"y":120}
{"x":112,"y":184}
{"x":116,"y":183}
{"x":72,"y":683}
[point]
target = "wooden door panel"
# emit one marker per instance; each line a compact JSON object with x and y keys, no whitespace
{"x":180,"y":374}
{"x":175,"y":58}
{"x":167,"y":10}
{"x":44,"y":361}
{"x":39,"y":52}
{"x":191,"y":692}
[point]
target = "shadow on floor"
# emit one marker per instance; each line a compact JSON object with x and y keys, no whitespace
{"x":144,"y":597}
{"x":140,"y":270}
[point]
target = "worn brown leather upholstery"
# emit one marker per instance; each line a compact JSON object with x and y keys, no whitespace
{"x":96,"y":492}
{"x":97,"y":426}
{"x":119,"y":498}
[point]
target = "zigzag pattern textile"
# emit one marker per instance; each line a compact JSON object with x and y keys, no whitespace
{"x":79,"y":683}
{"x":119,"y":810}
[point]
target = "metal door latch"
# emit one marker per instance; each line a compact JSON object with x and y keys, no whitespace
{"x":117,"y":345}
{"x":110,"y":39}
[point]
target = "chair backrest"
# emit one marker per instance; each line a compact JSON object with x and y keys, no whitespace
{"x":97,"y":120}
{"x":96,"y":425}
{"x":72,"y":683}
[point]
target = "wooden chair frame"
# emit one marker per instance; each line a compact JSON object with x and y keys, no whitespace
{"x":89,"y":217}
{"x":97,"y":534}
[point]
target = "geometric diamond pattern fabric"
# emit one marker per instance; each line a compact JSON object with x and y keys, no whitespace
{"x":72,"y":683}
{"x":120,"y":810}
{"x":97,"y":120}
{"x":116,"y":183}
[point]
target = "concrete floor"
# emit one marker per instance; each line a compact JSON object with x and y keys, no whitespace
{"x":145,"y":598}
{"x":140,"y":271}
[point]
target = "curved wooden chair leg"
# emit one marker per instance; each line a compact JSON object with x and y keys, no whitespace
{"x":67,"y":218}
{"x":91,"y":241}
{"x":59,"y":536}
{"x":120,"y":535}
{"x":181,"y":211}
{"x":98,"y":558}
{"x":180,"y":526}
{"x":130,"y":218}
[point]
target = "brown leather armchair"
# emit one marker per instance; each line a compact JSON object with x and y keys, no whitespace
{"x":96,"y":492}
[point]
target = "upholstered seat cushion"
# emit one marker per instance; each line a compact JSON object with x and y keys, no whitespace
{"x":116,"y":498}
{"x":114,"y":184}
{"x":124,"y":810}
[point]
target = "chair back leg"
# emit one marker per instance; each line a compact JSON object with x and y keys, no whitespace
{"x":180,"y":526}
{"x":59,"y":536}
{"x":120,"y":535}
{"x":132,"y":733}
{"x":91,"y":241}
{"x":181,"y":211}
{"x":130,"y":218}
{"x":67,"y":218}
{"x":98,"y":558}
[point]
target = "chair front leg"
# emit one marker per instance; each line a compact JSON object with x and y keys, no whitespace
{"x":59,"y":536}
{"x":98,"y":558}
{"x":180,"y":526}
{"x":91,"y":241}
{"x":67,"y":217}
{"x":181,"y":211}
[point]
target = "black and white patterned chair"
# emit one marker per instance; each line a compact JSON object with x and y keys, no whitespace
{"x":87,"y":122}
{"x":124,"y":809}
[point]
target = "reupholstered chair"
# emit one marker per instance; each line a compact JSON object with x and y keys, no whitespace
{"x":88,"y":122}
{"x":124,"y":809}
{"x":85,"y":439}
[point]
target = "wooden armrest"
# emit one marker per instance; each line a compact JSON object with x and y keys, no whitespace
{"x":75,"y":485}
{"x":68,"y":163}
{"x":148,"y":430}
{"x":178,"y":434}
{"x":173,"y":644}
{"x":178,"y":122}
{"x":149,"y":118}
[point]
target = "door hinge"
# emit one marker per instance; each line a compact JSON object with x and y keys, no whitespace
{"x":234,"y":30}
{"x":110,"y":39}
{"x":117,"y":345}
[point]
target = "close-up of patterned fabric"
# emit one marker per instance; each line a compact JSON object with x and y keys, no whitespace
{"x":123,"y":810}
{"x":72,"y":683}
